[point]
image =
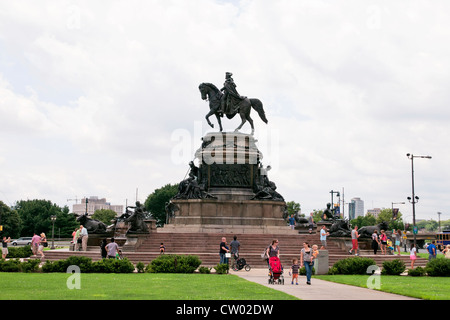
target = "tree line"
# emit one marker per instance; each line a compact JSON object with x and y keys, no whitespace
{"x":34,"y":216}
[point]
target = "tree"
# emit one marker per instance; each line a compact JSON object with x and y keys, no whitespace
{"x":35,"y":216}
{"x":104,"y":215}
{"x":317,"y":215}
{"x":156,"y":202}
{"x":360,"y":221}
{"x":293,"y":207}
{"x":386,"y":215}
{"x":10,"y":221}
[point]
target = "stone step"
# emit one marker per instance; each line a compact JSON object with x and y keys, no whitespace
{"x":206,"y":247}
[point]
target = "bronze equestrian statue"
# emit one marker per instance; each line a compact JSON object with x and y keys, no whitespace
{"x":230,"y":103}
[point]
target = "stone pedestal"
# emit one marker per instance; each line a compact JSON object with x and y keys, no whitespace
{"x":133,"y":241}
{"x":237,"y":193}
{"x":321,"y":263}
{"x":231,"y":212}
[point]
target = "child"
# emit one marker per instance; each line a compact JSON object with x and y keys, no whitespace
{"x":315,"y":253}
{"x":162,"y":248}
{"x":294,"y":269}
{"x":413,"y":255}
{"x":389,"y":244}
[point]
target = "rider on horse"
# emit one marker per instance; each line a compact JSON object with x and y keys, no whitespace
{"x":231,"y":98}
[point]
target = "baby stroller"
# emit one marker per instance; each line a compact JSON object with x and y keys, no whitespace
{"x":275,"y":271}
{"x":239,"y":264}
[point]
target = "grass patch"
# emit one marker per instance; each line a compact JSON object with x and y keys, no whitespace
{"x":147,"y":286}
{"x":428,"y":288}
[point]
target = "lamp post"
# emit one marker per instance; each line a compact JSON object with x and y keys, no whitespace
{"x":414,"y":199}
{"x":439,"y":216}
{"x":332,"y":203}
{"x":53,"y":218}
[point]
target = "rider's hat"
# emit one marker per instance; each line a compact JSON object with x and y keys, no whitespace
{"x":228,"y":74}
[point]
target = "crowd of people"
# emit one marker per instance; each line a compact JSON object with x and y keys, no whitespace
{"x":307,"y":255}
{"x":80,"y":238}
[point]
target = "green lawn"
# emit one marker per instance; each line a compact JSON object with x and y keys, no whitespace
{"x":429,"y":288}
{"x":148,"y":286}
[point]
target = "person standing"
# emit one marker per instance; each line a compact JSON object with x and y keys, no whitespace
{"x":398,"y":240}
{"x":273,"y":250}
{"x":35,"y":244}
{"x":103,"y":249}
{"x":5,"y":242}
{"x":294,"y":271}
{"x":84,"y":238}
{"x":42,"y":244}
{"x":413,"y":255}
{"x":323,"y":237}
{"x":306,"y":259}
{"x":235,"y":245}
{"x":223,"y":250}
{"x":78,"y":239}
{"x":432,"y":251}
{"x":383,"y":242}
{"x":446,"y":251}
{"x":375,"y":241}
{"x":355,"y":237}
{"x":292,"y":222}
{"x":111,"y":249}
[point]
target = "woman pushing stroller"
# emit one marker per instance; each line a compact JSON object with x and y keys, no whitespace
{"x":273,"y":261}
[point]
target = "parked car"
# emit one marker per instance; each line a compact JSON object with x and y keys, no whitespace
{"x":22,"y":241}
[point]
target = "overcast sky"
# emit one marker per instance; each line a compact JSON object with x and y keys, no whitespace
{"x":101,"y":98}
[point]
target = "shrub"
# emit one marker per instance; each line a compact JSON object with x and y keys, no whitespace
{"x":113,"y":266}
{"x":394,"y":267}
{"x":19,"y":252}
{"x":417,"y":272}
{"x":140,"y":266}
{"x":222,"y":268}
{"x":12,"y":265}
{"x":352,"y":265}
{"x":169,"y":263}
{"x":205,"y":270}
{"x":438,"y":267}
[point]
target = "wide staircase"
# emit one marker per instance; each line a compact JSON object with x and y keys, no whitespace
{"x":206,"y":247}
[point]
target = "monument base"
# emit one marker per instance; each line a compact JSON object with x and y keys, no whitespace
{"x":211,"y":215}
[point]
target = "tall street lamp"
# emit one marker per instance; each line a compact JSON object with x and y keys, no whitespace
{"x":332,"y":204}
{"x":53,"y":218}
{"x":414,"y":199}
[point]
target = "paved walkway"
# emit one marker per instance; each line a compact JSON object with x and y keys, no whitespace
{"x":319,"y":289}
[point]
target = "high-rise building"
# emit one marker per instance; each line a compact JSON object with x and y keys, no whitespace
{"x":356,"y":208}
{"x":93,"y":204}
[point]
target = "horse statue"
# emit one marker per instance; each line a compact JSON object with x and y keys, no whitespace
{"x":91,"y":225}
{"x":211,"y":93}
{"x":367,"y":231}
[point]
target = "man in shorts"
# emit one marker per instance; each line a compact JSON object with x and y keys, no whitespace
{"x":323,"y":237}
{"x":5,"y":247}
{"x":355,"y":237}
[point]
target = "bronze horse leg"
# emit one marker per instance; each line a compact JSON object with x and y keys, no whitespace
{"x":244,"y":112}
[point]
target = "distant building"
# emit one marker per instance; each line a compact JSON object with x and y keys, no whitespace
{"x":374,"y":212}
{"x":93,"y":204}
{"x":356,"y":208}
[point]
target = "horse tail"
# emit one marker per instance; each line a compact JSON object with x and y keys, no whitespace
{"x":258,"y":106}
